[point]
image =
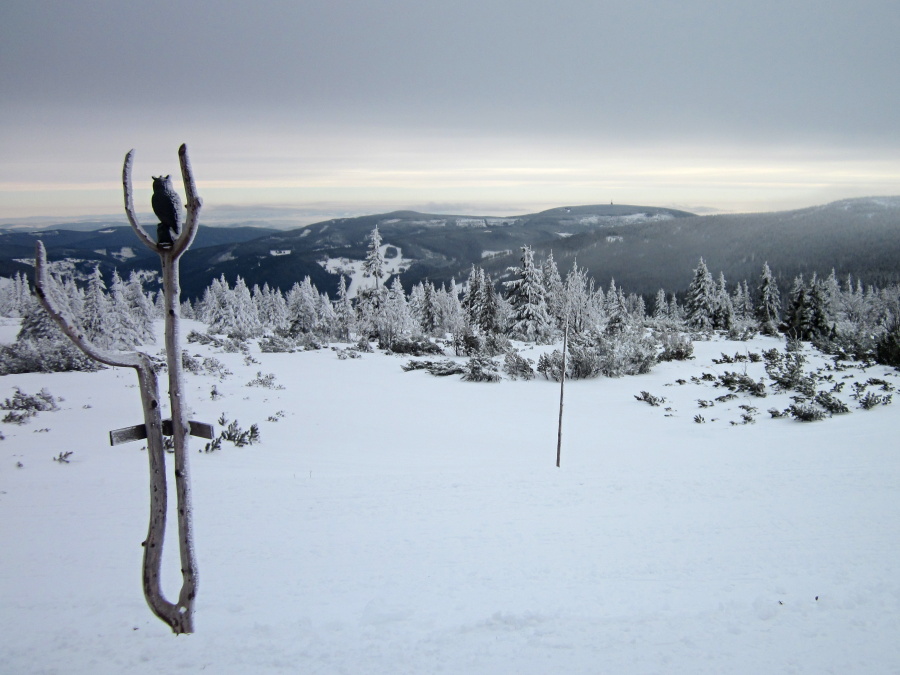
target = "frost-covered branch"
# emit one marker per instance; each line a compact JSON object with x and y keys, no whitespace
{"x":178,"y":616}
{"x":48,"y":296}
{"x":129,"y":204}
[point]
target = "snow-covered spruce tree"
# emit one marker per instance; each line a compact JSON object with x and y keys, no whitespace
{"x":796,"y":318}
{"x":452,"y":316}
{"x":616,"y":309}
{"x":579,"y":299}
{"x":700,"y":303}
{"x":95,"y":319}
{"x":768,"y":302}
{"x":742,"y":301}
{"x":141,"y":307}
{"x":369,"y":302}
{"x":394,"y":319}
{"x":303,"y":307}
{"x":660,"y":306}
{"x":122,"y":329}
{"x":326,"y":317}
{"x":428,"y":319}
{"x":530,"y":320}
{"x":271,"y":307}
{"x":472,"y":295}
{"x":637,"y":308}
{"x":373,"y":266}
{"x":216,"y":310}
{"x":345,"y":314}
{"x":41,"y":347}
{"x":807,"y":316}
{"x":187,"y":310}
{"x":14,"y":295}
{"x":246,"y":321}
{"x":554,"y":291}
{"x":723,"y":314}
{"x":820,"y":319}
{"x":488,"y":319}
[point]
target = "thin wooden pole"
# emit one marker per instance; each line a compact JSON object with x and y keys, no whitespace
{"x":562,"y":391}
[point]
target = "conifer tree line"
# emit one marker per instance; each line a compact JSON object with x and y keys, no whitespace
{"x":534,"y":304}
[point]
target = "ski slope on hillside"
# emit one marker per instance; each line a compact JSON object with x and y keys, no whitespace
{"x":394,"y":522}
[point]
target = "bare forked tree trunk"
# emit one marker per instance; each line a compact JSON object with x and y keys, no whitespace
{"x":180,"y":615}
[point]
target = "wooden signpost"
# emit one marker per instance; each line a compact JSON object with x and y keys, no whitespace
{"x":178,"y":615}
{"x":139,"y":432}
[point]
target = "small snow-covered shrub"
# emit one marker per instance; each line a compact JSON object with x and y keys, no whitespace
{"x":647,"y":397}
{"x":550,"y":365}
{"x":611,"y":353}
{"x":887,"y":349}
{"x":831,"y":403}
{"x":212,"y":366}
{"x":277,"y":344}
{"x":627,"y":353}
{"x":44,"y":356}
{"x":494,"y":344}
{"x":491,"y":344}
{"x":806,"y":413}
{"x":414,"y":347}
{"x":264,"y":381}
{"x":204,"y":339}
{"x":233,"y":434}
{"x":227,"y":345}
{"x":786,"y":371}
{"x":741,"y":382}
{"x":18,"y":416}
{"x":438,"y":368}
{"x":871,"y":399}
{"x":743,"y":330}
{"x":481,"y":369}
{"x":585,"y":360}
{"x":517,"y":366}
{"x":190,"y":363}
{"x":41,"y":402}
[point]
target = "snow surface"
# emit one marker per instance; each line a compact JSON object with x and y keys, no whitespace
{"x":396,"y":522}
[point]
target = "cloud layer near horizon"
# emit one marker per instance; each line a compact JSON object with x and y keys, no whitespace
{"x":467,"y":101}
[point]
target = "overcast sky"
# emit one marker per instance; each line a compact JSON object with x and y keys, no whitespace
{"x":498,"y":106}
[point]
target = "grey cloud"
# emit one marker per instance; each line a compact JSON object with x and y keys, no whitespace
{"x":609,"y":69}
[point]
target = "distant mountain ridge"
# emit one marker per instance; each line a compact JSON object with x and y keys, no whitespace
{"x":644,"y":248}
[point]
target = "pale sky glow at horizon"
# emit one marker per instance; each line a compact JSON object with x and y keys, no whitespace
{"x":491,"y":107}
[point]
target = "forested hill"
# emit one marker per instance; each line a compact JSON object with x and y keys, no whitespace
{"x":859,"y":237}
{"x":642,"y":248}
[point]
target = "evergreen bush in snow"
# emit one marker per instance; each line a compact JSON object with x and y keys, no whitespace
{"x":676,"y":346}
{"x":517,"y":366}
{"x":481,"y":369}
{"x":415,"y":347}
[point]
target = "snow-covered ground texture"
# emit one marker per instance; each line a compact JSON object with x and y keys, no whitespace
{"x":395,"y":522}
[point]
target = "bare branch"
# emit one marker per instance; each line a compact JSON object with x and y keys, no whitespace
{"x":48,"y":298}
{"x":193,"y":204}
{"x":129,"y":204}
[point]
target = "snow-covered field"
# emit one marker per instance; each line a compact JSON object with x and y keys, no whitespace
{"x":394,"y":522}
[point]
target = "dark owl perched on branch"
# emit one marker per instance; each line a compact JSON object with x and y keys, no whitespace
{"x":167,"y":207}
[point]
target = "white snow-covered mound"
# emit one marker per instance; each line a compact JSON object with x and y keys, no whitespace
{"x":394,"y":522}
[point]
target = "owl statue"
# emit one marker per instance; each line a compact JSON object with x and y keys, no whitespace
{"x":167,"y":207}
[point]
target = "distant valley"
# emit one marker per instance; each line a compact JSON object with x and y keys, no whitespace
{"x":643,"y":248}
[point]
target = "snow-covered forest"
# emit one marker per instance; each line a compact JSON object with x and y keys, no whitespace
{"x":612,"y":330}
